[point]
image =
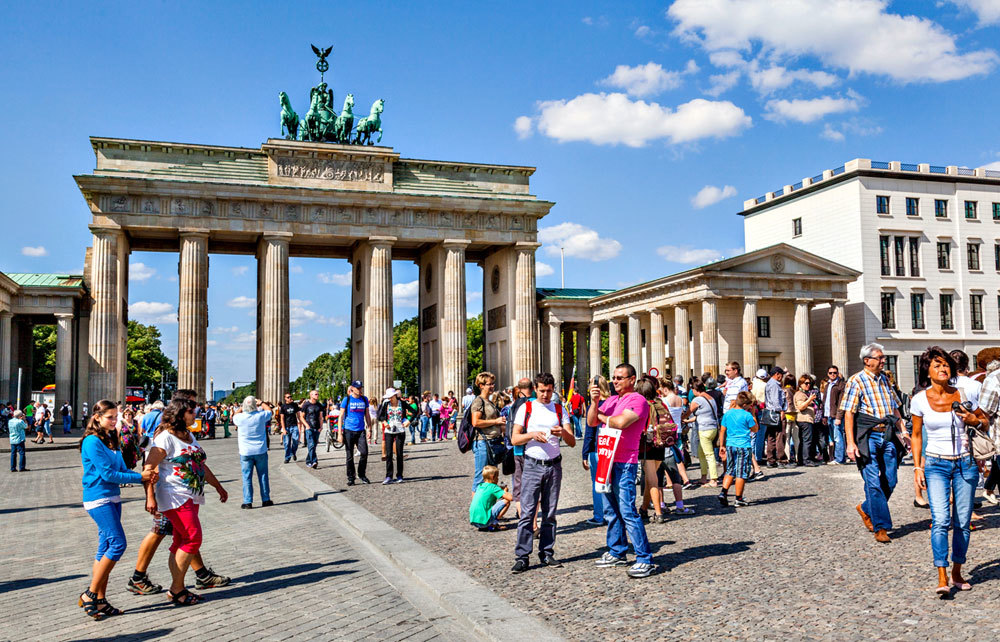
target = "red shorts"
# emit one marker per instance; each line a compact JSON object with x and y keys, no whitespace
{"x":187,"y":527}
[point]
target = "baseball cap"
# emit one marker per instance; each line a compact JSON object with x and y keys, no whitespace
{"x":762,"y":374}
{"x":356,"y":383}
{"x":468,"y":391}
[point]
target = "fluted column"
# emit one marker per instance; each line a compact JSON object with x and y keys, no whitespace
{"x":582,"y":373}
{"x":595,"y":350}
{"x":64,"y":360}
{"x":555,"y":328}
{"x":378,"y":319}
{"x":838,"y":336}
{"x":192,"y":311}
{"x":803,"y":346}
{"x":273,"y":310}
{"x":5,"y":349}
{"x":751,"y":356}
{"x":104,"y":342}
{"x":657,"y":349}
{"x":710,"y":336}
{"x":453,"y":328}
{"x":524,"y":338}
{"x":614,"y":344}
{"x":635,"y":341}
{"x":682,"y":343}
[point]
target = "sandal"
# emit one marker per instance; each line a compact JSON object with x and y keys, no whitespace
{"x":184,"y":598}
{"x":90,"y":605}
{"x":106,"y":609}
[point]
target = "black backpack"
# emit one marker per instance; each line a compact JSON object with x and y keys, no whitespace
{"x":466,"y":433}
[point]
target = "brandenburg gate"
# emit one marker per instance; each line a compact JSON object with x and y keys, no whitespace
{"x":306,"y":198}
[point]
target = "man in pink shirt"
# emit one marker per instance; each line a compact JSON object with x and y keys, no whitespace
{"x":627,"y":411}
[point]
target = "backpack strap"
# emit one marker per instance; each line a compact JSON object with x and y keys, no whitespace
{"x":527,"y":414}
{"x":559,"y":414}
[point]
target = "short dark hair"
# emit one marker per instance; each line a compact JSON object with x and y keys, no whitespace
{"x":929,"y":355}
{"x":545,"y":379}
{"x":184,"y":393}
{"x":646,"y":388}
{"x":961,"y":361}
{"x":698,"y":385}
{"x":627,"y":366}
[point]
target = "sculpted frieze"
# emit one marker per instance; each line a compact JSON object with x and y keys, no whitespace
{"x":119,"y":204}
{"x":150,"y":206}
{"x":330,"y":170}
{"x":179,"y":207}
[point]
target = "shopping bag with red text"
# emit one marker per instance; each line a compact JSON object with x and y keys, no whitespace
{"x":607,"y":446}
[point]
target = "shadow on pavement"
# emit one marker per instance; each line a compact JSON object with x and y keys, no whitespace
{"x":271,"y":573}
{"x":671,"y":560}
{"x":35,"y":581}
{"x":775,"y":500}
{"x":433,"y":477}
{"x":136,"y":637}
{"x":256,"y":588}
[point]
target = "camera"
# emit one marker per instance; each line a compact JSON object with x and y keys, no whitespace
{"x":956,"y":406}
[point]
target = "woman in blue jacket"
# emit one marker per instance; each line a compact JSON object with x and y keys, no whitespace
{"x":103,"y":472}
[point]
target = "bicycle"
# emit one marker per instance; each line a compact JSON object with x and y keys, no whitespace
{"x":331,"y":438}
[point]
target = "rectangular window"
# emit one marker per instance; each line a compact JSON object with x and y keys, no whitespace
{"x":888,"y":311}
{"x":881,"y":204}
{"x":883,"y":249}
{"x":764,"y":327}
{"x":915,"y":256}
{"x":970,"y":209}
{"x":916,"y":367}
{"x":900,"y":256}
{"x":947,"y":320}
{"x":912,"y":206}
{"x":940,"y":208}
{"x":944,"y":255}
{"x":976,"y":311}
{"x":796,"y":227}
{"x":996,"y":211}
{"x":996,"y":255}
{"x":973,"y":252}
{"x":892,"y":365}
{"x":917,"y":310}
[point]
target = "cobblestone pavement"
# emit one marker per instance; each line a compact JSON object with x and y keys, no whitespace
{"x":293,"y":575}
{"x":797,"y":564}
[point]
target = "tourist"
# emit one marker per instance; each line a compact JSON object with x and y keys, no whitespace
{"x":576,"y":404}
{"x":791,"y":428}
{"x":989,"y":403}
{"x":225,"y":415}
{"x":394,"y":416}
{"x":489,"y":446}
{"x":679,"y":386}
{"x":758,"y":386}
{"x":946,"y":468}
{"x":820,"y":450}
{"x":251,"y":439}
{"x":312,"y":415}
{"x":434,"y":407}
{"x":180,"y":491}
{"x":67,"y":417}
{"x":29,"y":418}
{"x":16,"y":428}
{"x":832,"y":391}
{"x":706,"y":415}
{"x":590,"y":455}
{"x":652,"y":450}
{"x":490,"y":502}
{"x":288,"y":419}
{"x":446,"y":413}
{"x":663,"y":430}
{"x":873,"y":427}
{"x":129,"y":438}
{"x":354,"y":420}
{"x":969,"y":386}
{"x":734,"y":385}
{"x":425,"y":415}
{"x":805,"y":409}
{"x":627,"y":411}
{"x":151,"y":419}
{"x":736,"y":447}
{"x":771,"y":419}
{"x":210,"y":416}
{"x":84,"y":413}
{"x":467,"y":399}
{"x":524,"y":392}
{"x":540,"y":426}
{"x":103,"y":474}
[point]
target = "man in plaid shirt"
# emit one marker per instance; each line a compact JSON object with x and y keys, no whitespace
{"x":871,"y":412}
{"x":989,"y":402}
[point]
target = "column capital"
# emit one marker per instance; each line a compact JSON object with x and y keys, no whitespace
{"x":277,"y":236}
{"x":104,"y":230}
{"x":378,"y":241}
{"x":6,"y":314}
{"x":527,"y":245}
{"x":192,"y":231}
{"x":554,"y":322}
{"x":804,"y":301}
{"x":58,"y":315}
{"x":751,"y":299}
{"x":458,"y":244}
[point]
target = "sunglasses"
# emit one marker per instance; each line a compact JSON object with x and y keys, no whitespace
{"x":621,"y":378}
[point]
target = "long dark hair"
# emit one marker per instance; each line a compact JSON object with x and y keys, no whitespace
{"x":110,"y":437}
{"x":924,"y":364}
{"x":173,"y":418}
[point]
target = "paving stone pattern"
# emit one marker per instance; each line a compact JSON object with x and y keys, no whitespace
{"x":797,"y":564}
{"x":294,"y":576}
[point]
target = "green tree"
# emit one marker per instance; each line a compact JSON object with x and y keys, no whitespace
{"x":147,"y":365}
{"x":326,"y":373}
{"x":43,"y":356}
{"x":239,"y":394}
{"x":474,"y":345}
{"x":406,"y":354}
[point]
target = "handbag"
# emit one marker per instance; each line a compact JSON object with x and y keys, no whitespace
{"x":980,"y":444}
{"x":508,"y":463}
{"x":665,"y":434}
{"x":770,"y":417}
{"x":496,"y":451}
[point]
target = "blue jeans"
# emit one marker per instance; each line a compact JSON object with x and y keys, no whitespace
{"x":67,"y":424}
{"x":623,"y":517}
{"x":760,"y":445}
{"x":479,"y":447}
{"x":291,"y":443}
{"x":17,"y":451}
{"x":110,"y":534}
{"x":312,"y":438}
{"x":597,"y":497}
{"x":880,"y":480}
{"x":425,"y":424}
{"x":435,"y":427}
{"x":577,"y":431}
{"x":413,"y":432}
{"x":944,"y":478}
{"x":247,"y":465}
{"x":839,"y":442}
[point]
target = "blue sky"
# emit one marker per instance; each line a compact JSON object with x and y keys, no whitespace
{"x":649,"y":123}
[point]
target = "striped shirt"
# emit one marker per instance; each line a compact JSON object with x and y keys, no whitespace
{"x":989,"y":400}
{"x":869,"y":394}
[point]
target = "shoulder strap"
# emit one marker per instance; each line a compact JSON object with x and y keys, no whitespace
{"x":559,"y":413}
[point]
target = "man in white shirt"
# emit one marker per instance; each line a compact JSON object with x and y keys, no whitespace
{"x":467,"y":400}
{"x":539,"y":425}
{"x":735,"y":384}
{"x":968,"y":385}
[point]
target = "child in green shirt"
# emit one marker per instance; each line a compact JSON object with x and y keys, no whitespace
{"x":490,"y":502}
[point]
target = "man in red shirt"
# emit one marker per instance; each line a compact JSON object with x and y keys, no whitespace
{"x":576,"y":413}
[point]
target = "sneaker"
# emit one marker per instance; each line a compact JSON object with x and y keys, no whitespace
{"x":520,"y":566}
{"x":723,"y":499}
{"x":287,"y":460}
{"x":386,"y":481}
{"x":266,"y":503}
{"x":350,"y":482}
{"x":294,"y":458}
{"x":398,"y":480}
{"x":213,"y":580}
{"x":757,"y":475}
{"x":143,"y":586}
{"x":595,"y":522}
{"x":364,"y":480}
{"x":991,"y":498}
{"x":740,"y":502}
{"x":690,"y":485}
{"x":608,"y":560}
{"x":549,"y":560}
{"x":640,"y":569}
{"x":246,"y":506}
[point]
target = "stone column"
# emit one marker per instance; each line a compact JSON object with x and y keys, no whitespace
{"x":104,"y":342}
{"x":595,"y":350}
{"x":64,"y":360}
{"x":838,"y":336}
{"x":6,"y":345}
{"x":567,"y":356}
{"x":273,"y":311}
{"x":635,"y":341}
{"x":751,"y":357}
{"x":710,"y":336}
{"x":582,"y":373}
{"x":657,"y":347}
{"x":803,"y":346}
{"x":378,"y":319}
{"x":682,"y":343}
{"x":453,"y":329}
{"x":192,"y":311}
{"x":555,"y":331}
{"x":524,"y":337}
{"x":614,"y":344}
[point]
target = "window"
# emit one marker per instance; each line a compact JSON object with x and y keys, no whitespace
{"x":996,"y":211}
{"x":883,"y":248}
{"x":915,"y":256}
{"x":796,"y":227}
{"x":892,"y":365}
{"x":940,"y":208}
{"x":764,"y":327}
{"x":912,"y":206}
{"x":947,"y":320}
{"x":996,"y":255}
{"x":944,"y":255}
{"x":881,"y":204}
{"x":976,"y":311}
{"x":916,"y":367}
{"x":970,"y":209}
{"x":900,"y":256}
{"x":917,"y":310}
{"x":888,"y":311}
{"x":973,"y":251}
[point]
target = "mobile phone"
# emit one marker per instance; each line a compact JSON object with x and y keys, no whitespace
{"x":596,"y":381}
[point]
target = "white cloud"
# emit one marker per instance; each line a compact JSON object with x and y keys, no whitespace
{"x":211,"y":342}
{"x":295,"y":268}
{"x":993,"y":165}
{"x":404,"y":295}
{"x":644,"y":80}
{"x":721,"y":83}
{"x":240,"y":270}
{"x":988,"y":11}
{"x":688,"y":255}
{"x":710,"y":195}
{"x":579,"y":242}
{"x":523,"y":126}
{"x":726,"y":58}
{"x":334,"y":279}
{"x":808,"y":110}
{"x":857,"y":35}
{"x":829,"y":133}
{"x":305,"y":303}
{"x":855,"y":126}
{"x":240,"y":341}
{"x":34,"y":251}
{"x":152,"y":312}
{"x":612,"y":119}
{"x":225,"y":330}
{"x":543,"y":269}
{"x":642,"y":31}
{"x":140,"y":272}
{"x":242,"y":302}
{"x":766,"y":81}
{"x":172,"y":278}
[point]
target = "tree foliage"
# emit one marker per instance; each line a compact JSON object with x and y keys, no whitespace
{"x":147,"y":365}
{"x":406,"y":354}
{"x":474,"y":338}
{"x":43,"y":356}
{"x":328,"y":373}
{"x":239,"y":394}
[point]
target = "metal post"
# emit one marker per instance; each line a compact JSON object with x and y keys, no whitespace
{"x":19,"y":372}
{"x":562,"y":267}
